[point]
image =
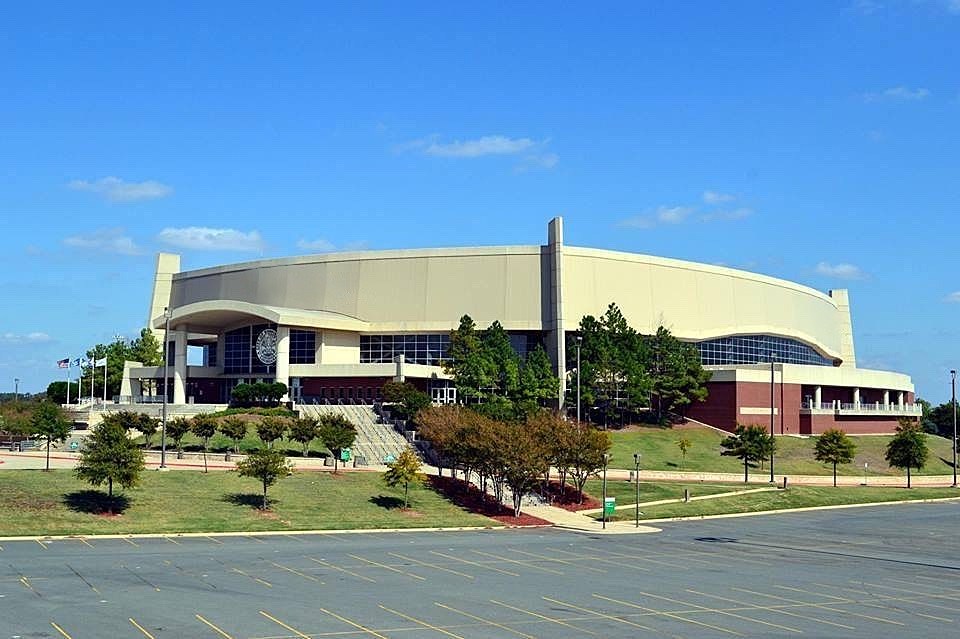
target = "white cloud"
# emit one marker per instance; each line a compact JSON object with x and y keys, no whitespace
{"x":486,"y":145}
{"x":664,"y":215}
{"x":207,"y":239}
{"x":727,"y":216}
{"x":543,"y":161}
{"x":109,"y":240}
{"x":953,"y":298}
{"x":712,"y":197}
{"x":35,"y":337}
{"x":841,"y":271}
{"x":900,"y":94}
{"x":117,"y":190}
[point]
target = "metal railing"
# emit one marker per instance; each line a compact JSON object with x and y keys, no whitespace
{"x":876,"y":407}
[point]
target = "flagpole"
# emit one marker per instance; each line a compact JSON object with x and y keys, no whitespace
{"x":105,"y":379}
{"x":79,"y":385}
{"x":68,"y":382}
{"x":93,"y":376}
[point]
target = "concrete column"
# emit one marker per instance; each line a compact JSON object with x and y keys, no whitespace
{"x":179,"y":366}
{"x":856,"y":398}
{"x":886,"y":399}
{"x":399,"y":361}
{"x":900,"y":399}
{"x":283,"y":359}
{"x":817,"y":396}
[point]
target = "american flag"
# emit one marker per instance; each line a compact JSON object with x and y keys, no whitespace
{"x":63,"y":363}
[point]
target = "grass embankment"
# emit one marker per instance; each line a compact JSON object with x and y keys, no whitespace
{"x":796,"y":497}
{"x":794,"y":455}
{"x":626,"y":492}
{"x":56,"y":503}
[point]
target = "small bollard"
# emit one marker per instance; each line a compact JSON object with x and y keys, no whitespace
{"x":686,"y":494}
{"x":784,"y":482}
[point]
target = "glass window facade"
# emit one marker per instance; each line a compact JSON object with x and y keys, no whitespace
{"x":239,"y":350}
{"x":303,"y":347}
{"x":757,"y":349}
{"x":416,"y":349}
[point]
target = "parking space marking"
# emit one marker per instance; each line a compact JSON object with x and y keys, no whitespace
{"x":216,"y":541}
{"x":141,"y":629}
{"x":525,"y":564}
{"x":474,"y":563}
{"x":599,"y":614}
{"x":210,"y":624}
{"x":257,"y":539}
{"x":720,"y":612}
{"x":670,"y":615}
{"x":167,"y":562}
{"x":172,"y":540}
{"x":899,"y":589}
{"x":777,"y":609}
{"x":84,"y":541}
{"x":290,"y":628}
{"x":841,"y":602}
{"x":484,"y":621}
{"x":429,"y":565}
{"x":327,"y":564}
{"x":138,"y":576}
{"x":543,"y":617}
{"x":916,"y":600}
{"x":131,"y":542}
{"x":420,"y":622}
{"x":372,"y":633}
{"x":263,"y":582}
{"x":568,"y":562}
{"x":60,"y":630}
{"x":618,"y":564}
{"x":638,"y":558}
{"x":82,"y":578}
{"x":386,"y":567}
{"x":793,"y":603}
{"x":296,"y":572}
{"x":42,"y":545}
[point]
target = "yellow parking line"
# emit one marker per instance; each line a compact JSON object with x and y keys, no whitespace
{"x":792,"y":602}
{"x":42,"y":545}
{"x":474,"y":563}
{"x":486,"y":621}
{"x":249,"y":576}
{"x":343,"y":570}
{"x":567,"y":562}
{"x":290,"y":628}
{"x":429,"y":626}
{"x":296,"y":572}
{"x":141,"y":629}
{"x":539,"y":616}
{"x":172,"y":541}
{"x":216,"y":541}
{"x":525,"y":564}
{"x":386,"y":567}
{"x":914,"y":600}
{"x":26,"y":584}
{"x":370,"y":632}
{"x":60,"y":630}
{"x":255,"y":539}
{"x":429,"y":565}
{"x":637,"y":558}
{"x":214,"y":628}
{"x":670,"y":615}
{"x":841,"y":601}
{"x":618,"y":564}
{"x":131,"y":542}
{"x":777,"y":609}
{"x":599,"y":614}
{"x":719,"y":612}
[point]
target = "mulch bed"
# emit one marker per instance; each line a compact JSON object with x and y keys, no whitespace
{"x":470,"y":498}
{"x":568,"y":498}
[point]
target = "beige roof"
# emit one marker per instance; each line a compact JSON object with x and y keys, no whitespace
{"x":212,"y":315}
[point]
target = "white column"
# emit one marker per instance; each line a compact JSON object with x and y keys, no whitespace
{"x":900,"y":400}
{"x":856,"y":398}
{"x":399,"y":376}
{"x":886,"y":399}
{"x":283,"y":359}
{"x":179,"y":366}
{"x":817,"y":397}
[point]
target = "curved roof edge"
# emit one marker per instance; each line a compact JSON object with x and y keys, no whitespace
{"x":216,"y":310}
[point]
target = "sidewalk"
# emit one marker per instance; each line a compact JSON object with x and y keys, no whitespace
{"x":579,"y":522}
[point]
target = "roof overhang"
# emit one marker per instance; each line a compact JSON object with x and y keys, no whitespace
{"x":213,"y":316}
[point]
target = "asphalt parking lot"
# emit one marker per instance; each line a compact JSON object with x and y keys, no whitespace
{"x":868,"y":572}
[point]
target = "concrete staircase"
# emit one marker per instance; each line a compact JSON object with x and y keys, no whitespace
{"x":375,"y":442}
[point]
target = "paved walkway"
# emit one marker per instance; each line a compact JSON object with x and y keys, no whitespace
{"x":582,"y":523}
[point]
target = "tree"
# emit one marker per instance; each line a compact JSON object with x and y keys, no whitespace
{"x":750,"y":444}
{"x":908,"y":448}
{"x":834,"y":447}
{"x":586,"y":454}
{"x":407,"y":401}
{"x":235,"y":429}
{"x":336,"y":433}
{"x":57,"y":392}
{"x":405,"y":469}
{"x":683,"y":444}
{"x":148,"y":427}
{"x":50,"y":423}
{"x":677,"y":373}
{"x":177,"y":429}
{"x":468,"y":364}
{"x":304,"y":431}
{"x":538,"y":384}
{"x":266,"y":465}
{"x":524,"y":461}
{"x":270,"y":429}
{"x":109,"y":456}
{"x":204,"y":427}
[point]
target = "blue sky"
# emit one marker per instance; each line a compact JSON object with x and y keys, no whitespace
{"x":813,"y":141}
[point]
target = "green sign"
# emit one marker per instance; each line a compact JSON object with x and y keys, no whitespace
{"x":74,"y":445}
{"x":389,"y":459}
{"x":609,"y":505}
{"x":345,"y":454}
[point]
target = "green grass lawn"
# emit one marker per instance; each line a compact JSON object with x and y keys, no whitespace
{"x":794,"y":455}
{"x":796,"y":497}
{"x":33,"y":502}
{"x":626,"y":492}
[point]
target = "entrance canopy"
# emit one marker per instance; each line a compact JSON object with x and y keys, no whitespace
{"x":212,"y":316}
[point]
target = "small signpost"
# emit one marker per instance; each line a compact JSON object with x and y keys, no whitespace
{"x":345,"y":455}
{"x":609,"y":506}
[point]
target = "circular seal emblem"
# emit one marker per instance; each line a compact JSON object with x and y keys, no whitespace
{"x":267,"y":346}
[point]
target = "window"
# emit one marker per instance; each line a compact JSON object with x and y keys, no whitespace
{"x":757,"y":349}
{"x":430,"y":350}
{"x":303,"y":347}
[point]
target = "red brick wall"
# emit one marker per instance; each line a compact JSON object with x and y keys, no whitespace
{"x":720,"y":407}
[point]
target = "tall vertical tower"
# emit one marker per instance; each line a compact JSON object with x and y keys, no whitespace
{"x":557,"y":336}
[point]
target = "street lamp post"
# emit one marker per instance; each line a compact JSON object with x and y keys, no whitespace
{"x":772,"y":418}
{"x":16,"y":391}
{"x":953,"y":400}
{"x":636,"y":476}
{"x":865,"y":466}
{"x":606,"y":460}
{"x":579,"y":342}
{"x":166,"y":362}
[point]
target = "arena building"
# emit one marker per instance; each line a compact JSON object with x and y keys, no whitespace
{"x":336,"y":327}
